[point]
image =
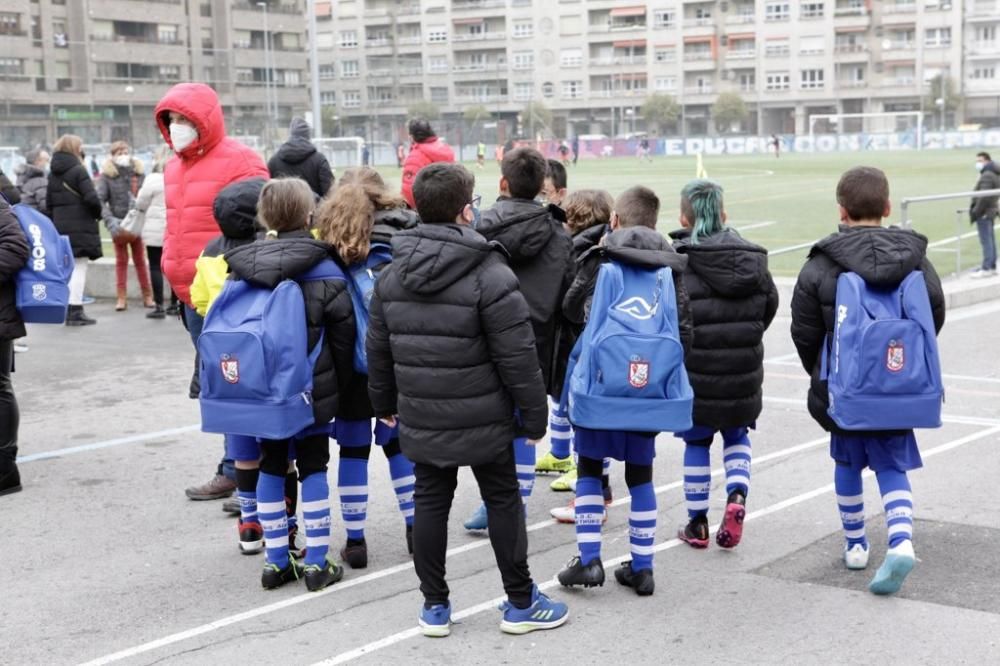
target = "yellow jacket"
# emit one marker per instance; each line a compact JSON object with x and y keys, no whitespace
{"x":210,"y":276}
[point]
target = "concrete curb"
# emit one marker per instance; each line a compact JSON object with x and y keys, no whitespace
{"x":101,"y":280}
{"x":959,"y":292}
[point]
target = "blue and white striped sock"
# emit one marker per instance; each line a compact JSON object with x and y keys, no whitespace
{"x":246,"y":492}
{"x":271,"y":509}
{"x":561,"y":433}
{"x":403,"y":482}
{"x":851,"y":502}
{"x":736,"y":456}
{"x":316,"y":516}
{"x":524,"y":459}
{"x":898,"y":502}
{"x":642,"y":526}
{"x":352,"y":484}
{"x":697,"y":479}
{"x":589,"y":509}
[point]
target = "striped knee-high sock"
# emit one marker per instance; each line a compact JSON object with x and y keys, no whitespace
{"x":403,"y":482}
{"x":316,"y":516}
{"x":851,"y":502}
{"x":292,"y":499}
{"x":898,"y":502}
{"x":246,"y":491}
{"x":352,"y":484}
{"x":589,"y":509}
{"x":697,"y":479}
{"x":524,"y":459}
{"x":736,"y":459}
{"x":274,"y":520}
{"x":642,"y":526}
{"x":561,"y":433}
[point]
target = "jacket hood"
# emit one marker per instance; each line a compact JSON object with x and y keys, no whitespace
{"x":588,"y":238}
{"x":235,"y":208}
{"x":110,"y":169}
{"x":266,"y":263}
{"x":26,"y":172}
{"x":299,"y":128}
{"x":198,"y":103}
{"x":432,"y":257}
{"x":523,"y":227}
{"x":436,"y":150}
{"x":63,"y":162}
{"x":880,"y":255}
{"x":727,"y":262}
{"x":389,"y":222}
{"x":297,"y":149}
{"x":642,"y":247}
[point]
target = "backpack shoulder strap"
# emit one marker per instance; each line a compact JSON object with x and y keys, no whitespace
{"x":324,"y":270}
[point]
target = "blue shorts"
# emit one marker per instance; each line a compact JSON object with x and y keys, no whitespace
{"x":245,"y":449}
{"x":632,"y":447}
{"x":359,"y":433}
{"x":879,"y":453}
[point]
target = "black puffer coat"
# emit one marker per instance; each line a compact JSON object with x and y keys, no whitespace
{"x":328,"y":307}
{"x":116,"y":188}
{"x":74,"y":205}
{"x":450,"y":349}
{"x":13,"y":255}
{"x":8,"y":190}
{"x":541,"y":256}
{"x":33,"y":185}
{"x":733,"y":301}
{"x":390,"y":221}
{"x":298,"y":158}
{"x":882,"y":256}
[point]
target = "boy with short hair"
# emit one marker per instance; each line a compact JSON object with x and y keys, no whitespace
{"x":883,"y":257}
{"x":554,"y":189}
{"x":450,"y":351}
{"x":634,"y":241}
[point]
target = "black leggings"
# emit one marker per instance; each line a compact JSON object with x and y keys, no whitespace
{"x":390,"y":449}
{"x":155,"y":254}
{"x":312,"y":454}
{"x":10,"y":417}
{"x":635,"y":475}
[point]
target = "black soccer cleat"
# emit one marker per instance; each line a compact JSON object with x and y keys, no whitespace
{"x":575,"y":573}
{"x":272,"y":577}
{"x":641,"y":581}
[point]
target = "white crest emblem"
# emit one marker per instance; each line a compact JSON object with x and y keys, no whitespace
{"x":895,"y":356}
{"x":638,"y":374}
{"x":38,"y":292}
{"x":637,"y":307}
{"x":230,"y":369}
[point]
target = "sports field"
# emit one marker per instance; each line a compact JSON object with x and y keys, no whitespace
{"x":783,"y":202}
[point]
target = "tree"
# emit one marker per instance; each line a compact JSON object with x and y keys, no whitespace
{"x":728,"y":111}
{"x":942,"y":88}
{"x":474,"y":114}
{"x":424,"y":109}
{"x":661,"y":110}
{"x":536,"y":115}
{"x":330,"y":120}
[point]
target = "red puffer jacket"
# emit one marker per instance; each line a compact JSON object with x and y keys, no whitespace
{"x":422,"y":154}
{"x":192,"y":182}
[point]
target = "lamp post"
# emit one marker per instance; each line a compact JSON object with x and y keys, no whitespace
{"x":267,"y":72}
{"x":130,"y":91}
{"x":939,"y":103}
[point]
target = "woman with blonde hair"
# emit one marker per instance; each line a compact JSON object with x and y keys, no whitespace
{"x":150,"y":204}
{"x":358,"y":219}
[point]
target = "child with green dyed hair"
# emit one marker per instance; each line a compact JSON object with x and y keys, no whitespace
{"x":733,"y":301}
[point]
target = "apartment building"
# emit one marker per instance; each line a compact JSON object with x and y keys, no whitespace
{"x":97,"y":67}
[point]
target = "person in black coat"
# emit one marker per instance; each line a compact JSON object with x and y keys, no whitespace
{"x":13,"y":256}
{"x":299,"y":158}
{"x":883,"y":257}
{"x":733,"y":301}
{"x":289,"y":250}
{"x":8,"y":189}
{"x":451,"y":352}
{"x":75,"y":209}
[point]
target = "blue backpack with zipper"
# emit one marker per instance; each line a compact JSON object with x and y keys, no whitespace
{"x":629,"y":374}
{"x":881,"y":364}
{"x":42,"y":286}
{"x":256,"y":368}
{"x":361,"y":286}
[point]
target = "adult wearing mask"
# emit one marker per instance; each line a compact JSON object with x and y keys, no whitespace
{"x":149,"y":202}
{"x":983,"y":212}
{"x":298,"y":158}
{"x":121,"y":177}
{"x":75,"y":208}
{"x":33,"y":180}
{"x":13,"y":255}
{"x":190,"y":119}
{"x":425,"y":148}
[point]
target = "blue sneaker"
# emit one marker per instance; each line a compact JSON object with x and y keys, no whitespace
{"x":890,"y":576}
{"x":543,"y":613}
{"x":436,"y":620}
{"x":477,"y":521}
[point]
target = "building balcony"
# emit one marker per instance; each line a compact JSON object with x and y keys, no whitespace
{"x":399,"y":8}
{"x":895,"y":8}
{"x":464,"y":5}
{"x":479,"y":98}
{"x":697,"y":92}
{"x":982,"y":10}
{"x":617,"y":62}
{"x":289,"y":8}
{"x":741,"y":19}
{"x":851,"y":84}
{"x":848,"y":53}
{"x":984,"y":50}
{"x":594,"y":28}
{"x":740,"y":55}
{"x":615,"y":94}
{"x":851,"y":17}
{"x":974,"y":86}
{"x":481,"y":37}
{"x":112,"y":90}
{"x":161,"y":11}
{"x":147,"y":53}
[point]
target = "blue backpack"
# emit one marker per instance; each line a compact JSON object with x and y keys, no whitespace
{"x":361,"y":285}
{"x":881,"y":365}
{"x":256,"y":369}
{"x":630,"y":372}
{"x":42,"y":286}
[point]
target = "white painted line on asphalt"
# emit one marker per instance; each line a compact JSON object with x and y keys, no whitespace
{"x":957,"y":419}
{"x":384,"y":573}
{"x":119,"y":441}
{"x":388,"y":641}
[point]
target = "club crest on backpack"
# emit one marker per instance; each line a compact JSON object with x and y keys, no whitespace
{"x":638,"y":373}
{"x":895,"y":357}
{"x":230,"y":369}
{"x":637,"y":307}
{"x":38,"y":292}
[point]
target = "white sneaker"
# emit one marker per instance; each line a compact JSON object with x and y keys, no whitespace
{"x":19,"y":346}
{"x":856,"y":557}
{"x":898,"y":563}
{"x":981,"y":273}
{"x":567,"y":514}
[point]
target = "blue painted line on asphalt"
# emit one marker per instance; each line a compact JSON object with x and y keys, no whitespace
{"x":119,"y":441}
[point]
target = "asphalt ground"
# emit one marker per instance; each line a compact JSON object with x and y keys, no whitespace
{"x":104,"y":560}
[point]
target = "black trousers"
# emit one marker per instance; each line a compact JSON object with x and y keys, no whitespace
{"x":312,"y":455}
{"x":432,"y":497}
{"x":10,"y":417}
{"x":155,"y":255}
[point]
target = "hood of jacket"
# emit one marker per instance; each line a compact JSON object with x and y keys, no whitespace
{"x":235,"y":208}
{"x":198,"y":103}
{"x":432,"y":257}
{"x":588,"y":238}
{"x":727,"y":262}
{"x":299,"y":128}
{"x":26,"y":172}
{"x":296,"y":150}
{"x":644,"y":248}
{"x":63,"y":162}
{"x":111,"y":170}
{"x":436,"y":150}
{"x":389,"y":222}
{"x":523,"y":227}
{"x":266,"y":263}
{"x":880,"y":255}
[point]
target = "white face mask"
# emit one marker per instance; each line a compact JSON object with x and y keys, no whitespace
{"x":980,"y":166}
{"x":123,"y":161}
{"x":182,"y":136}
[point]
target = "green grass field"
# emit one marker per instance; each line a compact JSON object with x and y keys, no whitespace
{"x":784,"y":202}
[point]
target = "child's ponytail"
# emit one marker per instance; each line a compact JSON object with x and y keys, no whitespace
{"x":701,"y":204}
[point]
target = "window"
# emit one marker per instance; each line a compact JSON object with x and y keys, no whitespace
{"x":522,"y":91}
{"x":665,"y":83}
{"x":937,"y":37}
{"x":811,"y":79}
{"x":748,"y":82}
{"x":776,"y":47}
{"x":777,"y":81}
{"x":664,"y":18}
{"x":10,"y":24}
{"x":665,"y":53}
{"x":348,"y":39}
{"x":11,"y":66}
{"x":167,"y":34}
{"x":986,"y":34}
{"x":439,"y":95}
{"x":903,"y":75}
{"x":855,"y":76}
{"x":702,"y":16}
{"x":811,"y":45}
{"x":437,"y":34}
{"x":289,"y":77}
{"x":523,"y":59}
{"x":548,"y":90}
{"x":327,"y":72}
{"x":987,"y":72}
{"x":571,"y":58}
{"x":328,"y":98}
{"x":59,"y":34}
{"x":572,"y":89}
{"x":349,"y":69}
{"x":170,"y":72}
{"x":352,"y":99}
{"x":812,"y":10}
{"x":523,"y":29}
{"x":903,"y":39}
{"x":437,"y":64}
{"x":776,"y":11}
